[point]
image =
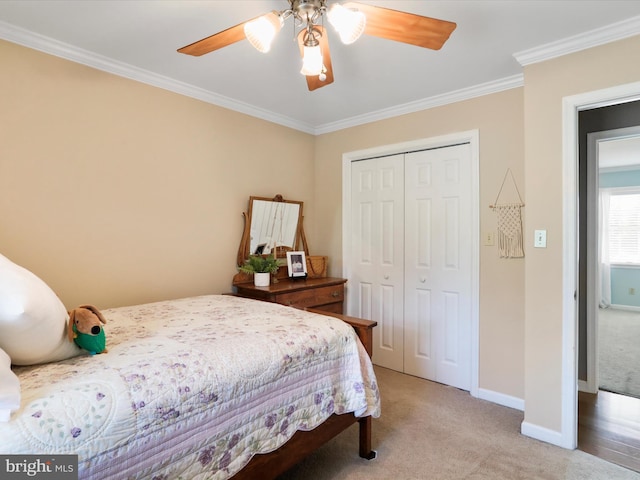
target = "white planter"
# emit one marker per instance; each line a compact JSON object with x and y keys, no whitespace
{"x":261,"y":279}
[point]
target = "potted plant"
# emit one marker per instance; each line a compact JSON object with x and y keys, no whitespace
{"x":261,"y":267}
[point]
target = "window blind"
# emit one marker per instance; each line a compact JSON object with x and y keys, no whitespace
{"x":624,"y":228}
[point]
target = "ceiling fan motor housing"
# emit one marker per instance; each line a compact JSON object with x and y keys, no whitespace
{"x":307,"y":8}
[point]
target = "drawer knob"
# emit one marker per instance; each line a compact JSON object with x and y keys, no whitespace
{"x":386,"y":277}
{"x":335,"y":294}
{"x":422,"y":279}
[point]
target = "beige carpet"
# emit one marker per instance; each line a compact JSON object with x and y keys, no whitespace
{"x":430,"y":431}
{"x":619,"y":351}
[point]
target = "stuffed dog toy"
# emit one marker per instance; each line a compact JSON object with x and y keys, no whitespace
{"x":85,"y":329}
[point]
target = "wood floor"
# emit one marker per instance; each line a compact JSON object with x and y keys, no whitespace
{"x":609,"y":427}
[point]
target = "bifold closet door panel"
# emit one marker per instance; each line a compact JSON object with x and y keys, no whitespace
{"x":375,"y":289}
{"x":437,"y":268}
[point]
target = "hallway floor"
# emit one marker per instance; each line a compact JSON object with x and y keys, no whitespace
{"x":609,"y":427}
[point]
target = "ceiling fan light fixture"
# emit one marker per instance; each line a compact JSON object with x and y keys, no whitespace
{"x":261,"y":31}
{"x":350,"y":20}
{"x":312,"y":61}
{"x":349,"y":23}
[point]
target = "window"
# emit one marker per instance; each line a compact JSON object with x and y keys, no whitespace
{"x":624,"y":228}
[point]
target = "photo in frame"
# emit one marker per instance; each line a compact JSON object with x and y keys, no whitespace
{"x":297,"y":264}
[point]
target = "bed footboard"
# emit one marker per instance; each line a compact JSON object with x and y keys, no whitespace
{"x":363,"y":328}
{"x":270,"y":465}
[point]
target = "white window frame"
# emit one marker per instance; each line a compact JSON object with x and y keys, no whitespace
{"x":617,"y":191}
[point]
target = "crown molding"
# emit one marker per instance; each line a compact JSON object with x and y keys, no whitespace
{"x":54,"y":47}
{"x":426,"y":103}
{"x":85,"y":57}
{"x":600,"y":36}
{"x":69,"y":52}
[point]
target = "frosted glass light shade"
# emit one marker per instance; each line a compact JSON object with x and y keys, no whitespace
{"x":261,"y":31}
{"x":312,"y":61}
{"x":348,"y":23}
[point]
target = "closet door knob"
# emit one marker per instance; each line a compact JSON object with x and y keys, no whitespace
{"x":423,"y":279}
{"x":386,"y":277}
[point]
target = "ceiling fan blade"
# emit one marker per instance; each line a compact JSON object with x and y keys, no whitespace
{"x":313,"y":81}
{"x":216,"y":41}
{"x":405,"y":27}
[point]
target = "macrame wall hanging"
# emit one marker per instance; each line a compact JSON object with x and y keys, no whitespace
{"x":510,"y":238}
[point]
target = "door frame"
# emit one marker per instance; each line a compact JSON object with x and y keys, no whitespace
{"x":571,"y":106}
{"x":592,"y":382}
{"x":471,"y":137}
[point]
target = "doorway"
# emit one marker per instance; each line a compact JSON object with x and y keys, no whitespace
{"x":595,"y":125}
{"x":572,"y":287}
{"x":613,"y":262}
{"x":606,"y":423}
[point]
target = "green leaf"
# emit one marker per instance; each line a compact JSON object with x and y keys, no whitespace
{"x":260,"y":264}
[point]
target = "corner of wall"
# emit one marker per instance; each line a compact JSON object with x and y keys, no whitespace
{"x":545,"y":435}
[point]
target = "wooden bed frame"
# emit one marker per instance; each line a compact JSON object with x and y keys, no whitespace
{"x":269,"y":466}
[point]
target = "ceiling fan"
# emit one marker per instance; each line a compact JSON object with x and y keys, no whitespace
{"x":350,"y":21}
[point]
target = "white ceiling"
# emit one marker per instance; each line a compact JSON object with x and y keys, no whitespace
{"x":374,"y":78}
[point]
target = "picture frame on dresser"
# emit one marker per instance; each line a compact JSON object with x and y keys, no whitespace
{"x":296,"y":264}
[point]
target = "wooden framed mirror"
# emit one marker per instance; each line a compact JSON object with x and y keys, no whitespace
{"x":272,"y":225}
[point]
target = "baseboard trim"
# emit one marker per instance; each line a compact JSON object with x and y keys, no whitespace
{"x":501,"y":399}
{"x":629,"y":308}
{"x":543,"y":434}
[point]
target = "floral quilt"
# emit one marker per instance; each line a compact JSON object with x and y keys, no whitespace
{"x":192,"y":388}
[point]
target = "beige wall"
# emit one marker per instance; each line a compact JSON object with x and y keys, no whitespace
{"x":116,"y":192}
{"x":498,"y":118}
{"x":545,"y":86}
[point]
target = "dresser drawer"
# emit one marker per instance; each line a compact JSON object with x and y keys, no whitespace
{"x":312,"y":297}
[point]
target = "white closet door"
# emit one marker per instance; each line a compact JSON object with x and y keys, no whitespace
{"x":375,"y":290}
{"x":438,"y":265}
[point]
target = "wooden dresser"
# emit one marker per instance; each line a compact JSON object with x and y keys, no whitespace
{"x":325,"y":294}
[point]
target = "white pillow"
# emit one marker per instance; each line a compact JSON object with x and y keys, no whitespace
{"x":33,"y":320}
{"x":9,"y":388}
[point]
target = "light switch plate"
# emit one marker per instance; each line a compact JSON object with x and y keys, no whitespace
{"x":540,"y":239}
{"x":488,"y":239}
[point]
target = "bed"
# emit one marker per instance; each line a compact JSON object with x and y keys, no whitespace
{"x":212,"y":387}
